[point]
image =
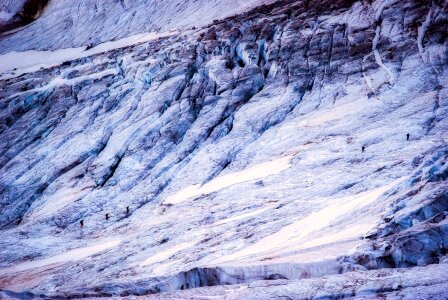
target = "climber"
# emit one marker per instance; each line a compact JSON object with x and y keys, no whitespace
{"x":363,"y":148}
{"x":107,"y":216}
{"x":81,"y":223}
{"x":407,"y":137}
{"x":127,"y":209}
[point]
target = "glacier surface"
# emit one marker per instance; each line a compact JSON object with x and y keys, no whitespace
{"x":286,"y":149}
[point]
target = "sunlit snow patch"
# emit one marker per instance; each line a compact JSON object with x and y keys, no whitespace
{"x":72,"y":255}
{"x":164,"y":255}
{"x":244,"y":216}
{"x":256,"y":172}
{"x":305,"y":232}
{"x":33,"y":60}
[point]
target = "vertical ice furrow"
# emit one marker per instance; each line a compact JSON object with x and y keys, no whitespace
{"x":376,"y":53}
{"x":366,"y":77}
{"x":79,"y":7}
{"x":421,"y":34}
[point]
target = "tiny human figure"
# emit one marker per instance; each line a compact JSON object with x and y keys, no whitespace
{"x":127,"y":209}
{"x":81,"y":223}
{"x":107,"y":216}
{"x":363,"y":148}
{"x":408,"y":136}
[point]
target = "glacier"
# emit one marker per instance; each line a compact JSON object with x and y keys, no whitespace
{"x":241,"y":149}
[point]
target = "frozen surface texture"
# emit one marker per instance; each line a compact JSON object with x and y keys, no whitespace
{"x":298,"y":149}
{"x":67,"y":23}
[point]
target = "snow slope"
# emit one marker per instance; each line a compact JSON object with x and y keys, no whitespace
{"x":13,"y":64}
{"x":298,"y":150}
{"x":65,"y":24}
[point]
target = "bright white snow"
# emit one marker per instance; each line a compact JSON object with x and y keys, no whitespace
{"x":255,"y":172}
{"x":164,"y":255}
{"x":71,"y":255}
{"x":31,"y":61}
{"x":298,"y":235}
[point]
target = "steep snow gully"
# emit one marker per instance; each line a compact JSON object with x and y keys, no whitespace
{"x":293,"y":150}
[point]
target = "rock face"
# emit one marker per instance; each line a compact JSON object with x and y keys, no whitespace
{"x":17,"y":13}
{"x":299,"y":145}
{"x":10,"y":14}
